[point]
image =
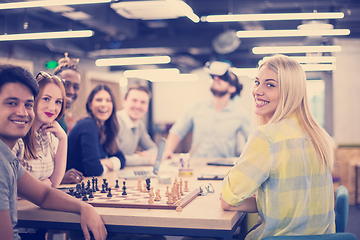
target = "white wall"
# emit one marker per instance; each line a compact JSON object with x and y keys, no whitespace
{"x":346,"y":85}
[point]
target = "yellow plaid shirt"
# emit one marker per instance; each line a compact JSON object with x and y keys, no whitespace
{"x":295,"y":193}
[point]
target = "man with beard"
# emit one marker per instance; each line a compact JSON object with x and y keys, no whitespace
{"x":215,"y":122}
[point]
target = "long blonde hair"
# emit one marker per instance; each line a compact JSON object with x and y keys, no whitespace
{"x":293,"y":100}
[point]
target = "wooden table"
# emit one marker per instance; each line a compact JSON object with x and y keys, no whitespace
{"x":202,"y":217}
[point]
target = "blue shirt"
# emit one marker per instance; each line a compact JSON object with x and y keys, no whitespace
{"x":214,"y":133}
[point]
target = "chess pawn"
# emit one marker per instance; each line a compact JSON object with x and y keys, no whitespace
{"x":169,"y":201}
{"x":157,"y":195}
{"x":178,"y":208}
{"x":145,"y":190}
{"x":167,"y":191}
{"x":151,"y":194}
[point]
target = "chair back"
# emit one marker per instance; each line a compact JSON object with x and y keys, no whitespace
{"x":333,"y":236}
{"x":341,"y":208}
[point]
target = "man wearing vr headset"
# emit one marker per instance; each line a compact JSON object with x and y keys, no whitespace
{"x":215,"y":122}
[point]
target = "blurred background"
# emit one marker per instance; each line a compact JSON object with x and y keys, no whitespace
{"x":174,"y":39}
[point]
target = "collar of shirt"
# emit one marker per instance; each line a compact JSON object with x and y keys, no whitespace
{"x":127,"y":120}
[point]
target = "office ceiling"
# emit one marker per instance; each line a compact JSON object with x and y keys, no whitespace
{"x":189,"y":44}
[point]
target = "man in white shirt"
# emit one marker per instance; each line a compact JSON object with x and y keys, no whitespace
{"x":133,"y":132}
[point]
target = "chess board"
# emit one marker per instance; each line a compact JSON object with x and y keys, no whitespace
{"x":137,"y":199}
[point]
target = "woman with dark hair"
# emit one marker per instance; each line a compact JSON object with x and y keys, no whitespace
{"x":93,"y":149}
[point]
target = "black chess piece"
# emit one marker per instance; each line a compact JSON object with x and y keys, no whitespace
{"x":91,"y":195}
{"x":148,"y":184}
{"x":117,"y":184}
{"x":85,"y":198}
{"x":93,"y":189}
{"x":96,"y":185}
{"x":103,"y":189}
{"x":124,"y":189}
{"x":109,"y":194}
{"x":71,"y":192}
{"x":88,"y":185}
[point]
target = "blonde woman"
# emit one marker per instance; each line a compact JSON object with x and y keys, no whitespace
{"x":284,"y":172}
{"x":43,"y":150}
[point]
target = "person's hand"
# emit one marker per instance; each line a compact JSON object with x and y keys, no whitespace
{"x":55,"y":129}
{"x":72,"y":176}
{"x":92,"y":221}
{"x":167,"y":155}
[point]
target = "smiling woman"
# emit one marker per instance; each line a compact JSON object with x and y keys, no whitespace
{"x":43,"y":150}
{"x":92,"y":142}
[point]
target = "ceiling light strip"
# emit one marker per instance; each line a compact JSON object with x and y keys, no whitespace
{"x":291,"y":33}
{"x":46,"y":3}
{"x":151,"y":73}
{"x":185,"y":9}
{"x":295,"y":49}
{"x":308,"y":59}
{"x":271,"y":17}
{"x":132,"y":61}
{"x":46,"y":35}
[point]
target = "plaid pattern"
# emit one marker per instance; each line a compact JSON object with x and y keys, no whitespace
{"x":46,"y":146}
{"x":295,"y":194}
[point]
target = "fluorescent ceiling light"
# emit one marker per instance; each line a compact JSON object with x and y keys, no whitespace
{"x":308,"y":59}
{"x":152,"y":73}
{"x":132,"y":61}
{"x":252,"y":72}
{"x":76,"y":15}
{"x":295,"y":49}
{"x":318,"y":67}
{"x":45,"y":3}
{"x":46,"y":35}
{"x":271,"y":17}
{"x":292,"y":33}
{"x":131,"y":51}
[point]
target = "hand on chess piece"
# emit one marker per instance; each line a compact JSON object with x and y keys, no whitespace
{"x":72,"y":176}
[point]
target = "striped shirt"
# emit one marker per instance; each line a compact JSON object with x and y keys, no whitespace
{"x":294,"y":193}
{"x":46,"y":147}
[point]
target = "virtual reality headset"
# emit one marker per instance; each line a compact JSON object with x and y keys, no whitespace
{"x":220,"y":69}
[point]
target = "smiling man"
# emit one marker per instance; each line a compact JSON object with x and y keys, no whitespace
{"x":133,"y":133}
{"x":18,"y":90}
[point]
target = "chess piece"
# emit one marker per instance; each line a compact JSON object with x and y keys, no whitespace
{"x":91,"y":195}
{"x":181,"y":188}
{"x":109,"y":194}
{"x":157,"y":195}
{"x":71,"y":192}
{"x":167,"y":191}
{"x":186,"y":188}
{"x":117,"y":184}
{"x":170,"y":201}
{"x":124,"y":189}
{"x":103,"y":188}
{"x":145,"y":189}
{"x":139,"y":185}
{"x":178,"y":208}
{"x":93,"y":185}
{"x":147,"y":184}
{"x":96,"y":185}
{"x":151,"y":194}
